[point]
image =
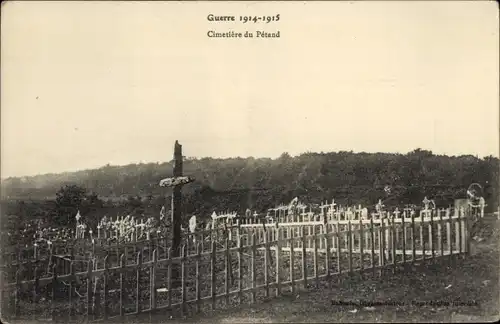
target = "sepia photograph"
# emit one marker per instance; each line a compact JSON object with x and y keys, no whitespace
{"x":249,"y":162}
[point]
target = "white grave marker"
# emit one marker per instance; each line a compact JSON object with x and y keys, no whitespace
{"x":192,"y":224}
{"x":192,"y":227}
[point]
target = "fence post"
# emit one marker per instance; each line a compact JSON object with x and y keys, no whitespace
{"x":440,"y":231}
{"x":96,"y":292}
{"x":304,"y":256}
{"x":240,"y":273}
{"x":372,"y":244}
{"x":71,"y":289}
{"x":157,"y":243}
{"x":169,"y":277}
{"x":3,"y":282}
{"x":138,"y":307}
{"x":349,"y":234}
{"x":361,"y":248}
{"x":51,"y":261}
{"x":213,"y":261}
{"x":395,"y":216}
{"x":89,"y":288}
{"x":327,"y":244}
{"x":122,"y":287}
{"x":403,"y":226}
{"x":422,"y":241}
{"x":199,"y":248}
{"x":105,"y":285}
{"x":431,"y":235}
{"x":449,"y":227}
{"x":165,"y":244}
{"x":36,"y":288}
{"x":264,"y":231}
{"x":278,"y":261}
{"x":254,"y":266}
{"x":152,"y":280}
{"x":458,"y":233}
{"x":292,"y":262}
{"x":338,"y":247}
{"x":315,"y":256}
{"x":468,"y":230}
{"x":266,"y":262}
{"x":413,"y":240}
{"x":228,"y":271}
{"x":17,"y":297}
{"x":72,"y":253}
{"x":394,"y":243}
{"x":150,"y":247}
{"x":381,"y":239}
{"x":184,"y":254}
{"x":54,"y":293}
{"x":388,"y":238}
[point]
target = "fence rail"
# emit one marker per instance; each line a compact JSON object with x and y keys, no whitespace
{"x":257,"y":262}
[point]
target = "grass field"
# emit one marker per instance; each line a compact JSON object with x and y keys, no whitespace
{"x":467,"y":291}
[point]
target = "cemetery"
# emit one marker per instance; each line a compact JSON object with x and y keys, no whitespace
{"x":127,"y":267}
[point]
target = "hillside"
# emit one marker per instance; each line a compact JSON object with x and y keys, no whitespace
{"x":352,"y":177}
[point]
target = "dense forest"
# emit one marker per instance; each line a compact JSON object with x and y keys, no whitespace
{"x":260,"y":183}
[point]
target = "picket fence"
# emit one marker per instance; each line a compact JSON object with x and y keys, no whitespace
{"x":260,"y":261}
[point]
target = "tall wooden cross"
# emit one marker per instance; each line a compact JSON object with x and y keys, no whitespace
{"x":176,"y":182}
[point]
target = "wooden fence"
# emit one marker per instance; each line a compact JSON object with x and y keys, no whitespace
{"x":258,"y":262}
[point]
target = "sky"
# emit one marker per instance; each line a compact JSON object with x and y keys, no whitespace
{"x":84,"y":84}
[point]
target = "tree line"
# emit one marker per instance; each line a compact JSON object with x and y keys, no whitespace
{"x":255,"y":183}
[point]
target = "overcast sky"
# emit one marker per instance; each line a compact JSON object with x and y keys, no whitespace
{"x":86,"y":84}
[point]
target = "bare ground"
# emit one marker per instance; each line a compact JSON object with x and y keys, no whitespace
{"x":459,"y":291}
{"x":462,"y":291}
{"x":465,"y":291}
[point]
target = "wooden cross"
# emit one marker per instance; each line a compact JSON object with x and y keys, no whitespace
{"x":379,"y":206}
{"x":396,"y":212}
{"x":426,"y":203}
{"x":176,"y":183}
{"x":77,"y":217}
